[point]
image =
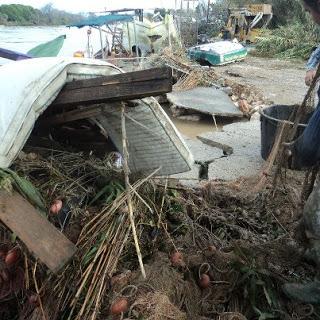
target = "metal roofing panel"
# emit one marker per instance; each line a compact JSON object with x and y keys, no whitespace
{"x":99,"y":21}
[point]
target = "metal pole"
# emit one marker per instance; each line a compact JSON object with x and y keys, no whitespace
{"x":135,"y":39}
{"x":129,"y":38}
{"x":101,"y":43}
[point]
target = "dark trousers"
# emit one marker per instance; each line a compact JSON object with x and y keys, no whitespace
{"x":306,"y":149}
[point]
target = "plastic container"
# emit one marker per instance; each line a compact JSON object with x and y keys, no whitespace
{"x":270,"y":119}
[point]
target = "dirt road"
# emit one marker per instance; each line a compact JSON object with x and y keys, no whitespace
{"x":281,"y":82}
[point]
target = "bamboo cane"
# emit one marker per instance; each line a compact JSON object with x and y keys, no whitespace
{"x":128,"y":188}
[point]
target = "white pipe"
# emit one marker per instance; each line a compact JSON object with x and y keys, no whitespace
{"x":101,"y":43}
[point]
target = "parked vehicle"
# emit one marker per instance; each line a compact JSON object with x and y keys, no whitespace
{"x":246,"y":24}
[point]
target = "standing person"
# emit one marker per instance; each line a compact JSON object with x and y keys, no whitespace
{"x":307,"y":150}
{"x":313,"y":7}
{"x":312,"y":65}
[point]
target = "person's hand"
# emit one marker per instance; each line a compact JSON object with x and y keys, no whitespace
{"x":309,"y":76}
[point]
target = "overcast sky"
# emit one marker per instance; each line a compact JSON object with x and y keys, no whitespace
{"x":97,"y":5}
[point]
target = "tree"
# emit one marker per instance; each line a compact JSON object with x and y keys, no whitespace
{"x":17,"y":14}
{"x":47,"y":9}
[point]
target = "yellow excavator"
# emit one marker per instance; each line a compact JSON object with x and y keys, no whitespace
{"x":246,"y":24}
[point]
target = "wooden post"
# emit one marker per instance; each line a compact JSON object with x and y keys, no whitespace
{"x":208,"y":9}
{"x":181,"y":7}
{"x":88,"y":44}
{"x":135,"y":39}
{"x":169,"y":33}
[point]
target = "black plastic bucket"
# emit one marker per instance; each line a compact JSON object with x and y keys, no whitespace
{"x":270,"y":118}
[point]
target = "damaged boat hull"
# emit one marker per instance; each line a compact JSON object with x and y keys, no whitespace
{"x":218,"y":53}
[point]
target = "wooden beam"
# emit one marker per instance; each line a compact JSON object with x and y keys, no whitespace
{"x":225,"y":148}
{"x":73,"y":115}
{"x":42,"y":239}
{"x":124,"y":86}
{"x":128,"y":77}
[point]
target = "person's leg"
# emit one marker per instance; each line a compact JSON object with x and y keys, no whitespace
{"x":306,"y":149}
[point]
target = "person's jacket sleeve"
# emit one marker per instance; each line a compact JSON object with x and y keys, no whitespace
{"x":314,"y":59}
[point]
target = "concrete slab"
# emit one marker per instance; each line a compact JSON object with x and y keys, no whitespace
{"x":205,"y":100}
{"x":243,"y":137}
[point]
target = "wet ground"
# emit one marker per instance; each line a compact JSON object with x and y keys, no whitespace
{"x":245,"y":160}
{"x":280,"y":81}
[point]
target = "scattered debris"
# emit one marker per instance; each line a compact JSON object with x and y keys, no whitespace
{"x":148,"y":125}
{"x":243,"y":138}
{"x":209,"y":101}
{"x":148,"y":248}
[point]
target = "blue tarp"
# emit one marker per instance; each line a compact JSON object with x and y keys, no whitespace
{"x":99,"y":21}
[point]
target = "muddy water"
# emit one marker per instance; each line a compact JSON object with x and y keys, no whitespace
{"x":192,"y":129}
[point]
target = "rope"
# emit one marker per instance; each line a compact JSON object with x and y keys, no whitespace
{"x":290,"y":133}
{"x":285,"y":134}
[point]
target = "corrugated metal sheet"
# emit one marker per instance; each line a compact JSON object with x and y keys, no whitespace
{"x":153,"y":141}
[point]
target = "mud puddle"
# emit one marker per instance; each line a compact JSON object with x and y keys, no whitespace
{"x":192,"y":129}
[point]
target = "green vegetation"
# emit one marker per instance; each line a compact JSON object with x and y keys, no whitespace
{"x":294,"y":35}
{"x":17,"y":14}
{"x":288,"y":41}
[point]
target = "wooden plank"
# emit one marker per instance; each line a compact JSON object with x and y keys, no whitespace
{"x":73,"y":115}
{"x":122,"y":87}
{"x":42,"y":239}
{"x":128,"y":77}
{"x":227,"y":150}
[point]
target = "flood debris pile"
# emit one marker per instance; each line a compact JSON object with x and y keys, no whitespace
{"x":82,"y":237}
{"x":214,"y":252}
{"x":62,"y":197}
{"x":188,"y":76}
